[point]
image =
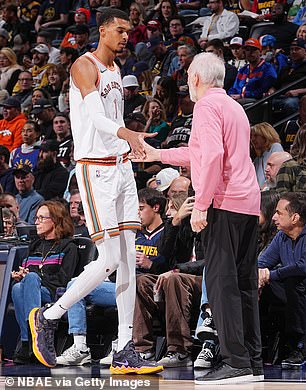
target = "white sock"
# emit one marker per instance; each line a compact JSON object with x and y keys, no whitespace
{"x":54,"y":312}
{"x":208,"y":311}
{"x":80,"y":342}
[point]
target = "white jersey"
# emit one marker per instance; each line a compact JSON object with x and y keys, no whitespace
{"x":88,"y":141}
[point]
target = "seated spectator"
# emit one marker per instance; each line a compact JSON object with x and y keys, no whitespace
{"x":62,"y":129}
{"x":4,"y":36}
{"x":144,"y":76}
{"x":45,"y":112}
{"x":146,"y":5}
{"x":133,"y":101}
{"x":177,"y":31}
{"x":22,"y":49}
{"x":52,"y":13}
{"x":163,"y":56}
{"x":282,"y":30}
{"x":81,"y":34}
{"x":25,"y":87}
{"x":181,"y":126}
{"x":163,"y":11}
{"x":186,"y":7}
{"x":137,"y":17}
{"x":264,"y":8}
{"x":6,"y":173}
{"x":51,"y":177}
{"x":81,"y":16}
{"x":271,"y":55}
{"x":180,"y":185}
{"x":288,"y":132}
{"x":166,"y":93}
{"x":265,"y":141}
{"x":181,"y":290}
{"x":45,"y":38}
{"x":288,"y":281}
{"x":12,"y":123}
{"x":164,"y":179}
{"x":222,"y":24}
{"x":155,"y":114}
{"x":289,"y":103}
{"x":9,"y":69}
{"x":154,"y":29}
{"x":39,"y":93}
{"x":301,"y":32}
{"x":236,"y":46}
{"x":10,"y":201}
{"x":12,"y":24}
{"x":28,"y":11}
{"x":40,"y":61}
{"x":50,"y":264}
{"x":56,"y":76}
{"x":300,"y":17}
{"x":291,"y":176}
{"x":274,"y":162}
{"x":254,"y":79}
{"x":216,"y":47}
{"x":28,"y":199}
{"x":126,"y":60}
{"x":185,"y":54}
{"x":27,"y":153}
{"x":75,"y":207}
{"x":9,"y":223}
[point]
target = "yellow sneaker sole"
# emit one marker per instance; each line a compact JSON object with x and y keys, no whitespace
{"x":34,"y":338}
{"x":131,"y":370}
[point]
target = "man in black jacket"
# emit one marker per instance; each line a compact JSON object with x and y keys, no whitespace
{"x":51,"y":178}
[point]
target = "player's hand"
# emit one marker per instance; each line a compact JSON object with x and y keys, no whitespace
{"x":198,"y":220}
{"x":136,"y":141}
{"x":151,"y":154}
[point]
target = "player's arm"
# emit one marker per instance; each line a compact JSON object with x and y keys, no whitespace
{"x":84,"y":76}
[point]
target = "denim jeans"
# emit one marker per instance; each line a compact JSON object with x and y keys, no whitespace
{"x":104,"y":295}
{"x":204,"y":300}
{"x":288,"y":105}
{"x":27,"y":294}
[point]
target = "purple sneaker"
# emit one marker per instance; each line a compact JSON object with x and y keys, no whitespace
{"x":42,"y":331}
{"x":128,"y":361}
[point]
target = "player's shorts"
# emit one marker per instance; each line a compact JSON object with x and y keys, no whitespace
{"x":109,"y":195}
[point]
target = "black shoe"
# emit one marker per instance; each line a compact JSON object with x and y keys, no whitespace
{"x":128,"y":361}
{"x":258,"y":374}
{"x":22,"y":356}
{"x":294,"y":361}
{"x":224,"y":374}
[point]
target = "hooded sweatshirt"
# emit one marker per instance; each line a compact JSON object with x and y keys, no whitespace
{"x":10,"y":132}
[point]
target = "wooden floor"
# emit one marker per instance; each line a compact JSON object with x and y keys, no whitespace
{"x":169,"y":379}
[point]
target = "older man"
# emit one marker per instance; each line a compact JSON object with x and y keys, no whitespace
{"x":274,"y":162}
{"x":222,"y":173}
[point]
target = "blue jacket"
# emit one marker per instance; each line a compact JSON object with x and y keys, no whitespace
{"x":291,"y":254}
{"x":254,"y":83}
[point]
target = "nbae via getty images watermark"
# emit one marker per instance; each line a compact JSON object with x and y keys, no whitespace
{"x":69,"y":382}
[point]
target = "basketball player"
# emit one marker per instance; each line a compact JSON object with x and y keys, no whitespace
{"x":108,"y":191}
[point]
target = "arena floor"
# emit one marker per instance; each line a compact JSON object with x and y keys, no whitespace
{"x":90,"y":377}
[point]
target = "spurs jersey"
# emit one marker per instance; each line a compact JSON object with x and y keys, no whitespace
{"x":88,"y":141}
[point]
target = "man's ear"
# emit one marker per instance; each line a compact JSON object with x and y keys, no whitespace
{"x":296,"y":218}
{"x":156,"y":208}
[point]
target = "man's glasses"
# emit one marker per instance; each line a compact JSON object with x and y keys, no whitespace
{"x":40,"y":218}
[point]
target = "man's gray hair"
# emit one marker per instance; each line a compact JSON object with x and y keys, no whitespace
{"x":210,"y":69}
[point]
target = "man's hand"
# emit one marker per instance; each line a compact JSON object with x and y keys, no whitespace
{"x":198,"y":220}
{"x":235,"y":96}
{"x":263,"y":277}
{"x":293,"y":93}
{"x":184,"y":211}
{"x":143,"y":261}
{"x":151,"y":154}
{"x":162,"y":278}
{"x":136,"y":141}
{"x":18,"y":275}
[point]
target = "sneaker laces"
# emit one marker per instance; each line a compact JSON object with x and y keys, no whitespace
{"x":205,"y":354}
{"x":170,"y":354}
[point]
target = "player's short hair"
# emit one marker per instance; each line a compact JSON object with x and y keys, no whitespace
{"x":109,"y":14}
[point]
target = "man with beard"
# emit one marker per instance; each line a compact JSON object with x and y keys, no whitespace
{"x":51,"y":177}
{"x":61,"y":127}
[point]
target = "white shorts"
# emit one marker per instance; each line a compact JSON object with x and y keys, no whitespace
{"x":109,"y":196}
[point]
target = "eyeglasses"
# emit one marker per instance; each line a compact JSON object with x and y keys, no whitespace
{"x":40,"y":218}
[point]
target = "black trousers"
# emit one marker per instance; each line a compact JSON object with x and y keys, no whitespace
{"x":232,"y":285}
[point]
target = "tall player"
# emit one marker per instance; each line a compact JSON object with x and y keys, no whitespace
{"x":108,"y":193}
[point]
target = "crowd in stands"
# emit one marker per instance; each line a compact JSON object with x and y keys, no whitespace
{"x":39,"y":42}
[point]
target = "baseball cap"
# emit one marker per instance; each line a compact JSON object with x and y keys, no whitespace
{"x":267,"y":40}
{"x":139,"y":67}
{"x":41,"y":48}
{"x":40,"y":105}
{"x":11,"y":102}
{"x":17,"y":42}
{"x":25,"y":169}
{"x":4,"y":33}
{"x":236,"y":41}
{"x":154,"y":25}
{"x":299,"y":42}
{"x":153,"y":43}
{"x":252,"y":42}
{"x":130,"y":81}
{"x":165,"y":177}
{"x":51,"y":145}
{"x":79,"y":29}
{"x":84,"y":11}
